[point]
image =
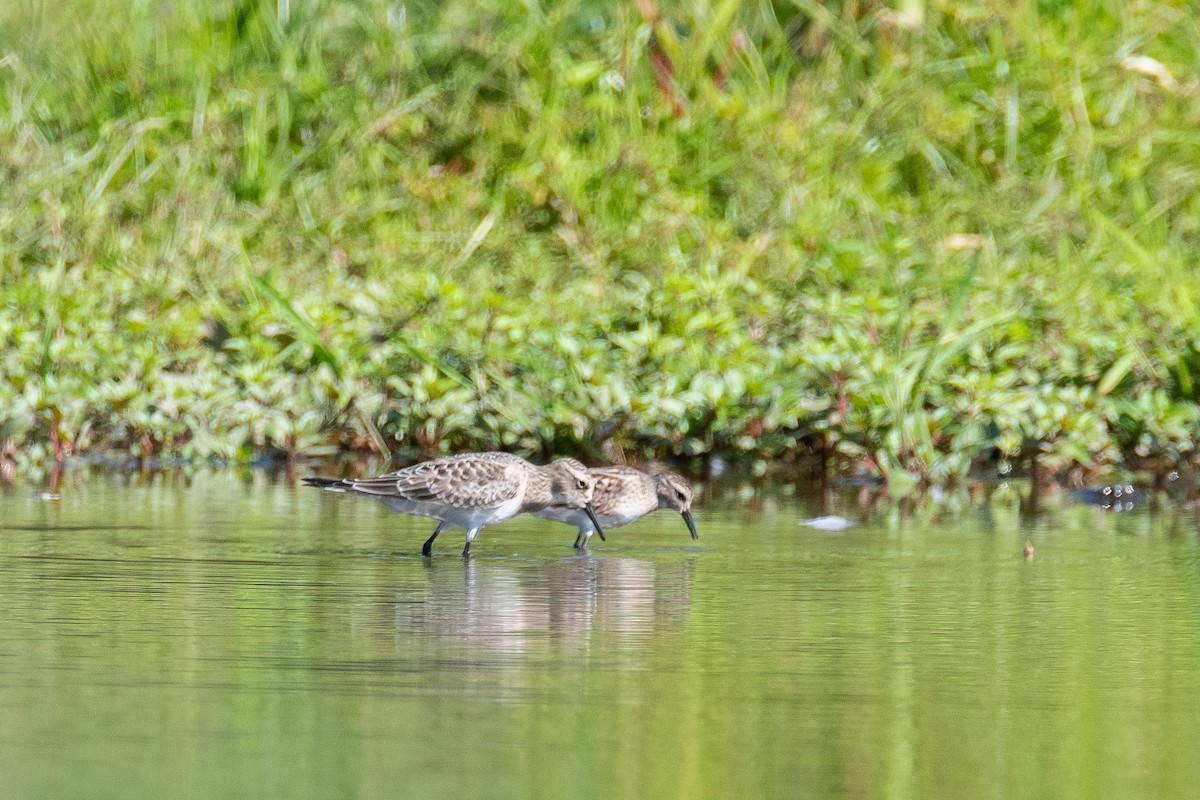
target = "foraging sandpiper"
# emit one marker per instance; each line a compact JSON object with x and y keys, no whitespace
{"x":623,"y":495}
{"x":472,"y":490}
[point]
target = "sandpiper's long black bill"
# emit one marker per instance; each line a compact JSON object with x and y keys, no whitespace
{"x":319,"y":482}
{"x":687,"y":517}
{"x":322,"y":483}
{"x":591,"y":512}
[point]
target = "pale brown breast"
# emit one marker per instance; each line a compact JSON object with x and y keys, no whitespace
{"x":622,"y":491}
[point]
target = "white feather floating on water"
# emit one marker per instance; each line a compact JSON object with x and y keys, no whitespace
{"x":828,"y":523}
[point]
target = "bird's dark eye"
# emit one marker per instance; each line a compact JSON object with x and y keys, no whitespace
{"x":580,"y":484}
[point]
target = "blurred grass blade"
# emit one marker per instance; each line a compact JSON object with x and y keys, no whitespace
{"x":1115,"y":374}
{"x":110,"y":172}
{"x":1126,"y":238}
{"x":303,"y":329}
{"x":372,"y":431}
{"x":441,"y":366}
{"x":844,"y":32}
{"x":47,"y":342}
{"x":477,"y":237}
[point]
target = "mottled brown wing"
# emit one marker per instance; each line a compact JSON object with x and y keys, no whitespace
{"x":464,"y":482}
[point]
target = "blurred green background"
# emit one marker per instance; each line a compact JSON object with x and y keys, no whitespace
{"x":912,"y":237}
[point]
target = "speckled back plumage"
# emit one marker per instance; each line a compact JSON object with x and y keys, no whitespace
{"x":469,"y":480}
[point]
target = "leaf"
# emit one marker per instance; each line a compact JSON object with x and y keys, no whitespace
{"x":1185,"y":376}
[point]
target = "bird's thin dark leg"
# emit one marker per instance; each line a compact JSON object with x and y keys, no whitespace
{"x":580,"y":539}
{"x":427,"y":548}
{"x":470,"y":537}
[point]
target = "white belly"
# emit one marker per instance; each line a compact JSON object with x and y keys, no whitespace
{"x":579,"y":518}
{"x":506,"y":510}
{"x":454,"y":516}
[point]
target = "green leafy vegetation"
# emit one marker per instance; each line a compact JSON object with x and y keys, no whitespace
{"x":916,"y":238}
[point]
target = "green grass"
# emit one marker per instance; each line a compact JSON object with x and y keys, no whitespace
{"x":558,"y":227}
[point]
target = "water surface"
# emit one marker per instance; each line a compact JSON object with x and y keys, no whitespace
{"x":232,"y":634}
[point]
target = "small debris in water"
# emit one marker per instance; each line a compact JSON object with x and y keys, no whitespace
{"x":828,"y":523}
{"x":1027,"y":551}
{"x":1113,"y":496}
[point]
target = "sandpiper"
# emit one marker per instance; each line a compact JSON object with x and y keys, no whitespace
{"x":472,"y":490}
{"x":623,"y":495}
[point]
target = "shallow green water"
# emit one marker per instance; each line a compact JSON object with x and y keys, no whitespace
{"x":238,"y":636}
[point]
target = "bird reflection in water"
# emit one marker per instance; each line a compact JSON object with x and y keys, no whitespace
{"x":516,"y":610}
